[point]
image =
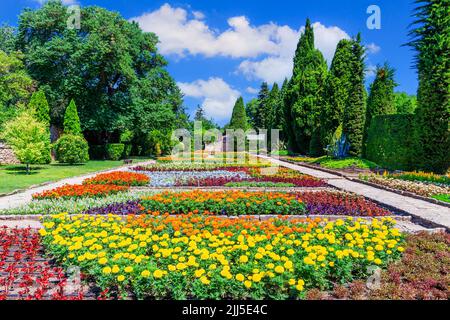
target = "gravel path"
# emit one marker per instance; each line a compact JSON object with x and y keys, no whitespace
{"x":432,"y":214}
{"x":18,"y":199}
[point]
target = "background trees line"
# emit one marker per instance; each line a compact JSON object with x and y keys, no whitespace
{"x":318,"y":105}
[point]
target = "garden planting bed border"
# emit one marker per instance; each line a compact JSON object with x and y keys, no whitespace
{"x":249,"y":189}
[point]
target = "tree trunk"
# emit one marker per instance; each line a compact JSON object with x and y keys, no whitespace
{"x":28,"y":168}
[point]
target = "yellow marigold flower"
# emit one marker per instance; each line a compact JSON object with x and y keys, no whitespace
{"x":292,"y":282}
{"x":247,"y":284}
{"x":308,"y":260}
{"x":115,"y":269}
{"x":198,"y":273}
{"x":120,"y":278}
{"x":128,"y":269}
{"x":377,"y":261}
{"x":205,"y":280}
{"x":401,"y":249}
{"x":279,"y":269}
{"x":158,"y":274}
{"x":171,"y":267}
{"x":258,"y":256}
{"x":299,"y":287}
{"x":288,"y":264}
{"x":243,"y":259}
{"x":240,"y":277}
{"x":106,"y":270}
{"x":378,"y":247}
{"x":257,"y":277}
{"x":290,"y":252}
{"x":331,"y":264}
{"x":103,"y":261}
{"x":145,"y":273}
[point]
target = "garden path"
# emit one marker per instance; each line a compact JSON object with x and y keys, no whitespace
{"x":21,"y":198}
{"x":429,"y":213}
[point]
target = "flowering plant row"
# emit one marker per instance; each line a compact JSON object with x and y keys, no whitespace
{"x":422,"y":177}
{"x":24,"y":274}
{"x":198,"y":257}
{"x":224,"y":203}
{"x":119,"y":178}
{"x":419,"y":188}
{"x":80,"y":190}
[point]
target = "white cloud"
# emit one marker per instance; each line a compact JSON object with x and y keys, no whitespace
{"x":217,"y":95}
{"x":198,"y":15}
{"x":371,"y":70}
{"x":252,"y":90}
{"x":275,"y":68}
{"x":372,"y":48}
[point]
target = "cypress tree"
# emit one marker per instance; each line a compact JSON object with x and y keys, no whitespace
{"x":431,"y":40}
{"x":239,"y":117}
{"x":275,"y":108}
{"x":304,"y":98}
{"x":337,"y":89}
{"x":71,"y":120}
{"x":355,"y":111}
{"x":262,"y":110}
{"x":39,"y":105}
{"x":381,"y":97}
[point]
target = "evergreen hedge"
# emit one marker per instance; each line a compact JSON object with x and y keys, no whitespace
{"x":390,"y":141}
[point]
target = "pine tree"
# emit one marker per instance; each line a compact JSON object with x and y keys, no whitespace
{"x":336,"y":90}
{"x":199,"y":113}
{"x":355,"y":111}
{"x":71,"y":120}
{"x":239,"y":117}
{"x":381,"y":97}
{"x":304,"y":98}
{"x":431,"y":40}
{"x":251,"y":111}
{"x":262,"y":110}
{"x":39,"y":105}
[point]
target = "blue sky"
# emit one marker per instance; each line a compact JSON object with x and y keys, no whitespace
{"x":218,"y":50}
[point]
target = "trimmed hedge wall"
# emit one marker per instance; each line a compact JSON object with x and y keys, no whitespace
{"x":390,"y":141}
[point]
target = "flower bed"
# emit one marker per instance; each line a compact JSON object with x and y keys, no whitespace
{"x":422,"y":177}
{"x":126,"y":208}
{"x":259,"y":184}
{"x":80,"y":191}
{"x":119,"y":178}
{"x":339,"y":203}
{"x":198,"y":257}
{"x":24,"y":273}
{"x":419,"y":188}
{"x":224,"y":203}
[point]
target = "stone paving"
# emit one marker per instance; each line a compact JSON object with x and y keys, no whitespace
{"x":429,"y":213}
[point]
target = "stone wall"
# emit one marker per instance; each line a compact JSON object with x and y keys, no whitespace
{"x":7,"y":156}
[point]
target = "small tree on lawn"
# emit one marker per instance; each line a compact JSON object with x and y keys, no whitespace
{"x":239,"y":117}
{"x":71,"y":120}
{"x":28,"y":138}
{"x":39,"y":104}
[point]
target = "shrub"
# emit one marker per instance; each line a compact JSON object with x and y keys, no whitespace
{"x":114,"y":151}
{"x":72,"y":149}
{"x":71,"y":120}
{"x":389,"y":141}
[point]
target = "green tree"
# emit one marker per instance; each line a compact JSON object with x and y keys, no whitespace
{"x":71,"y":120}
{"x":28,"y":138}
{"x":274,"y":107}
{"x":355,"y":111}
{"x":263,"y":107}
{"x":431,"y":40}
{"x":15,"y":85}
{"x":39,"y":104}
{"x":239,"y":118}
{"x":7,"y":38}
{"x":381,"y":96}
{"x":109,"y":66}
{"x":304,"y":99}
{"x":251,"y":110}
{"x":337,"y":89}
{"x":72,"y":149}
{"x":405,"y":103}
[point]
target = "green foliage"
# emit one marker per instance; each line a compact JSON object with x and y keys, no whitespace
{"x":355,"y":110}
{"x":390,"y":142}
{"x":359,"y":163}
{"x":110,"y":67}
{"x":337,"y":90}
{"x":72,"y":149}
{"x":158,"y":143}
{"x":15,"y":85}
{"x":442,"y":197}
{"x":71,"y":120}
{"x":431,"y":40}
{"x":28,"y":138}
{"x":405,"y":103}
{"x":39,"y":105}
{"x":7,"y":39}
{"x":304,"y":97}
{"x":251,"y":111}
{"x":114,"y":151}
{"x":381,"y":97}
{"x":238,"y":118}
{"x":262,"y":114}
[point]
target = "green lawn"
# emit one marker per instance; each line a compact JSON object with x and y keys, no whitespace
{"x":13,"y":177}
{"x":330,"y":163}
{"x":442,"y":197}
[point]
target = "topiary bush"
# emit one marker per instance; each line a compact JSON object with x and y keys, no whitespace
{"x":114,"y":151}
{"x":72,"y":149}
{"x":390,"y":142}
